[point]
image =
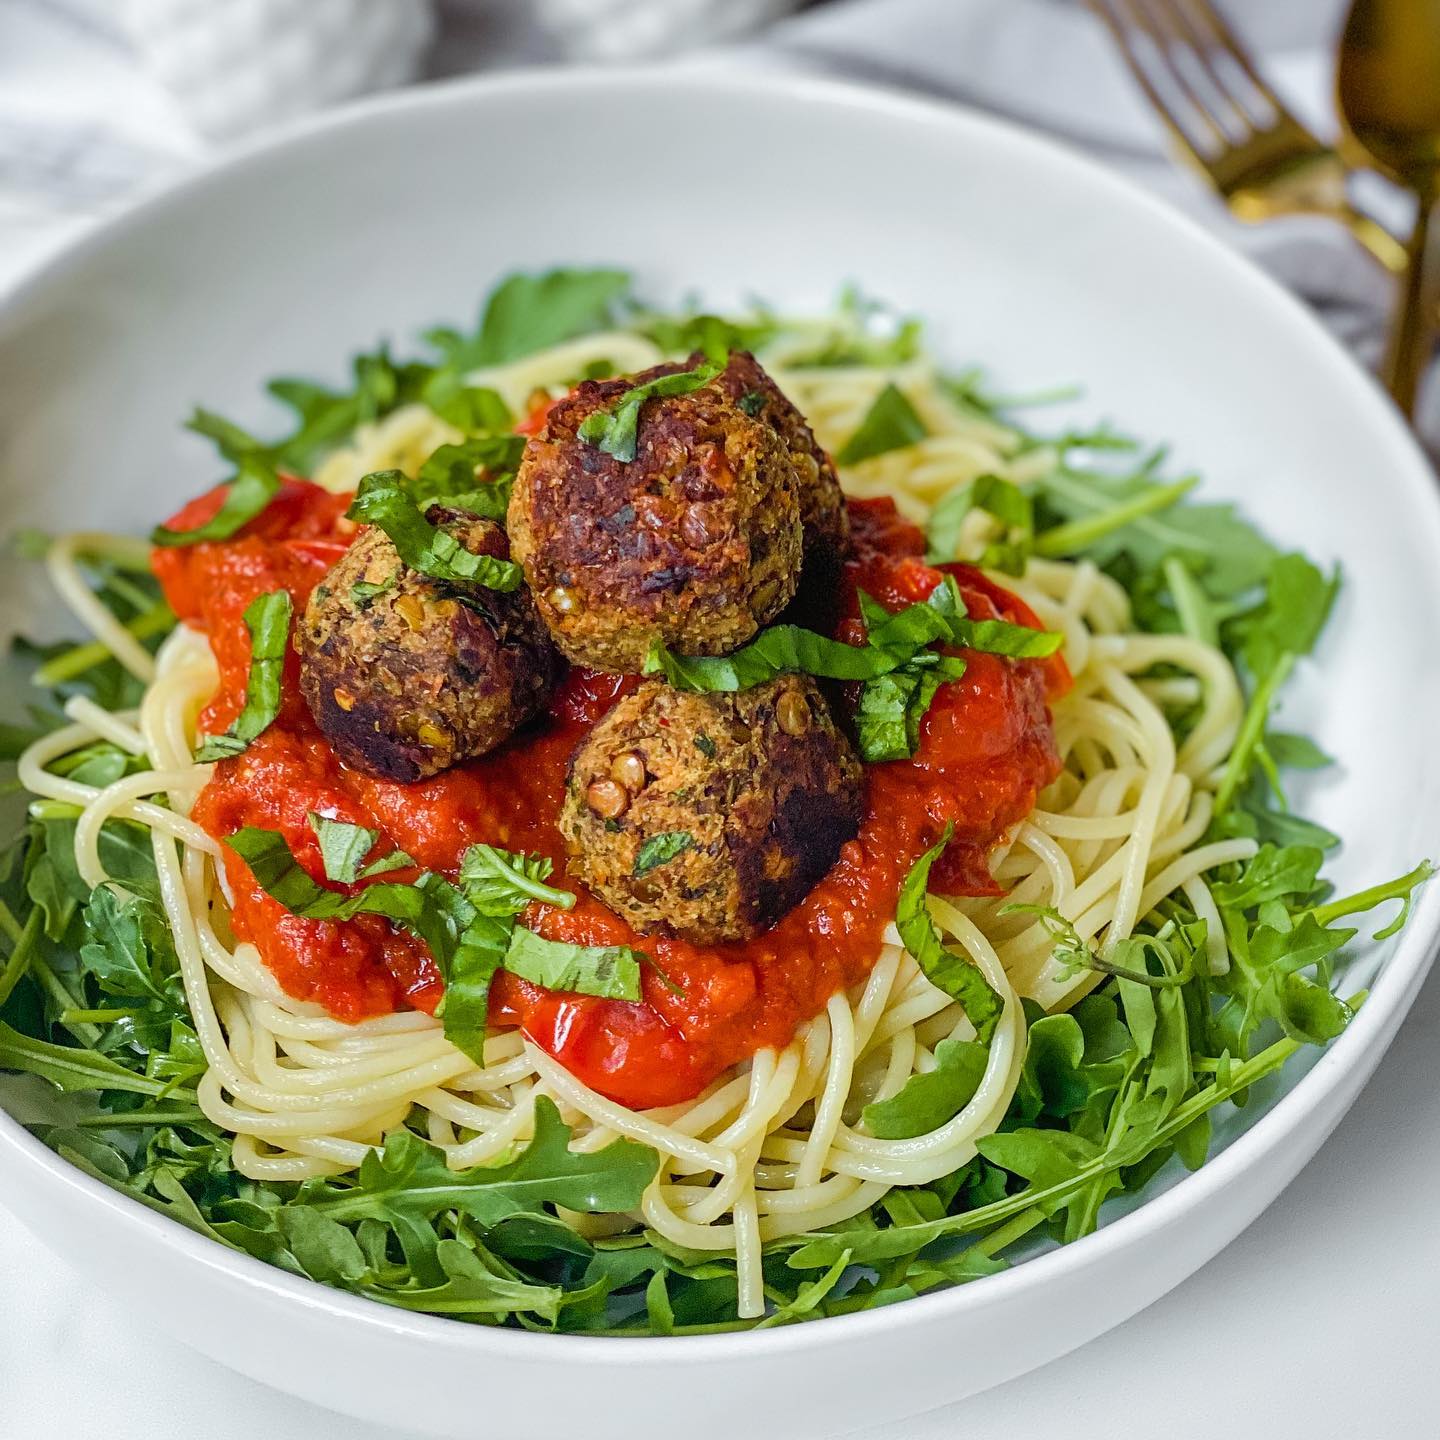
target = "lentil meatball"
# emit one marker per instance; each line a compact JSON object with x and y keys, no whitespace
{"x":696,"y":542}
{"x":416,"y":676}
{"x":822,"y":505}
{"x":709,"y":816}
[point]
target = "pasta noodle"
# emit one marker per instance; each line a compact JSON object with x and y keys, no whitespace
{"x":777,"y":1147}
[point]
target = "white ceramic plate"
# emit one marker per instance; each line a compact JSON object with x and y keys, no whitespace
{"x":1043,"y":267}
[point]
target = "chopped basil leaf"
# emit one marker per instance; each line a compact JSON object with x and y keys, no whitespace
{"x":1000,"y":637}
{"x":956,"y":974}
{"x":248,"y":494}
{"x":344,"y":846}
{"x":900,"y":671}
{"x":615,"y":430}
{"x":611,"y":972}
{"x":423,"y":908}
{"x":780,"y":650}
{"x":705,"y":745}
{"x":661,"y":849}
{"x":452,"y":474}
{"x":497,"y":881}
{"x":891,"y":707}
{"x":362,"y":592}
{"x":889,"y":424}
{"x":383,"y":501}
{"x":470,"y":929}
{"x":267,"y":618}
{"x":752,"y":402}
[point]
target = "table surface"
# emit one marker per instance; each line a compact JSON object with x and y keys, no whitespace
{"x":1317,"y":1322}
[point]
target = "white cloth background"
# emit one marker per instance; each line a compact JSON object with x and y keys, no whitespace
{"x":1316,"y":1322}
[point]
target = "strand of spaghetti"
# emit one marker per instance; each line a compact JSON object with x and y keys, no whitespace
{"x":62,"y":563}
{"x":121,"y":801}
{"x":623,"y":1121}
{"x":114,"y":726}
{"x":837,"y":1087}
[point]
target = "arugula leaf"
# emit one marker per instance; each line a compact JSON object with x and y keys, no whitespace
{"x":383,"y":500}
{"x":609,"y":971}
{"x":928,"y":1100}
{"x":614,"y":430}
{"x":890,"y":423}
{"x":252,"y":489}
{"x":947,"y":970}
{"x":267,"y":618}
{"x":73,"y":1069}
{"x":327,"y":418}
{"x":409,"y":1179}
{"x":344,"y":846}
{"x":715,"y":336}
{"x":526,"y":313}
{"x":1297,"y":603}
{"x":234,"y":443}
{"x":661,"y":849}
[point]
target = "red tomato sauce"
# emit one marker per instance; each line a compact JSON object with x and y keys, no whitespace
{"x":986,"y":750}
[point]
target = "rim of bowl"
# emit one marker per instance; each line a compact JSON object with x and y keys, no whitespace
{"x":1394,"y":987}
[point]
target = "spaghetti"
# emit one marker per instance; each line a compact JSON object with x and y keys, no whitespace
{"x":777,"y":1147}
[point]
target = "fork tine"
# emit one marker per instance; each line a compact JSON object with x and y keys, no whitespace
{"x":1185,"y":23}
{"x":1142,"y":20}
{"x":1209,"y":18}
{"x":1123,"y":27}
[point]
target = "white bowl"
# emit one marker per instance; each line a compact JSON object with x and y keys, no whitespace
{"x":1042,"y":266}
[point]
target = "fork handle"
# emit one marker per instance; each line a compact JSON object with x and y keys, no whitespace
{"x":1411,"y":329}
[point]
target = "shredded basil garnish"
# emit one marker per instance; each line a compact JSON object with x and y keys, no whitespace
{"x":267,"y":618}
{"x":252,"y":489}
{"x":614,"y":430}
{"x":383,"y":500}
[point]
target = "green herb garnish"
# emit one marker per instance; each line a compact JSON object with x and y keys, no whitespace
{"x":247,"y":495}
{"x":383,"y":500}
{"x":267,"y":618}
{"x":615,"y":428}
{"x":344,"y":846}
{"x":889,"y":424}
{"x":661,"y":849}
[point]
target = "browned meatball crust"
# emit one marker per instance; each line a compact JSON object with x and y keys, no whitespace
{"x":710,"y":816}
{"x":696,"y":542}
{"x":822,"y":505}
{"x":415,"y":676}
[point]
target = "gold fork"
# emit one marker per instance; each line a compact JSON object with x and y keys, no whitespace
{"x":1228,"y":121}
